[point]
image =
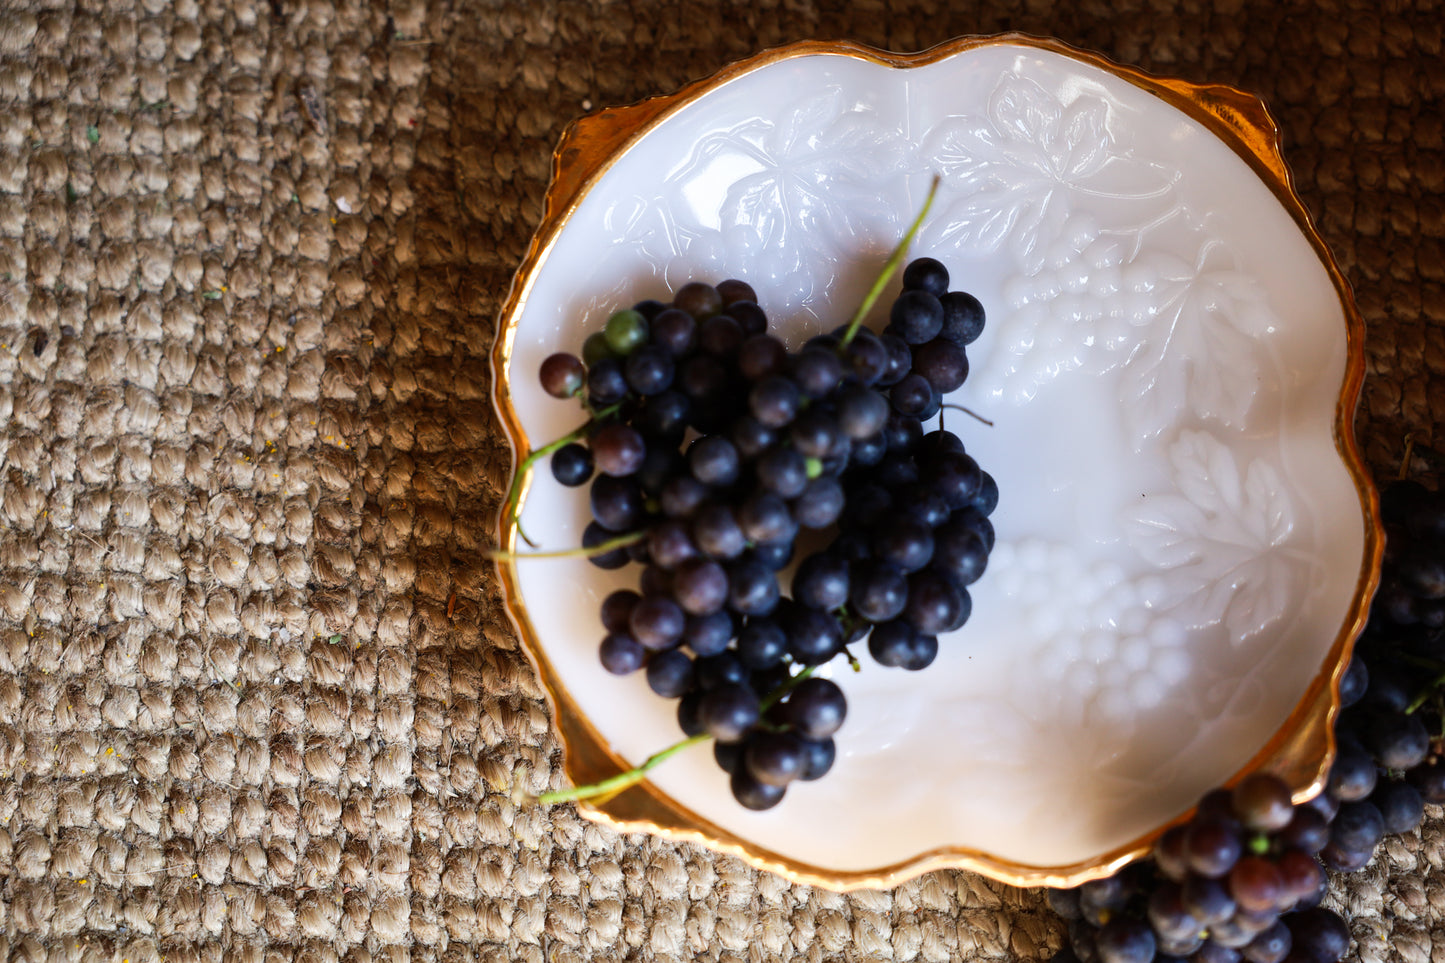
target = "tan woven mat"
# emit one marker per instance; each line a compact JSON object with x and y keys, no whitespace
{"x":258,"y":697}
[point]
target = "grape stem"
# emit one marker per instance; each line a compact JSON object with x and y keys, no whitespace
{"x":622,"y":780}
{"x":1405,"y":458}
{"x":613,"y":785}
{"x":891,"y":265}
{"x":1435,"y":665}
{"x":601,"y":548}
{"x":514,"y":494}
{"x":1431,"y":689}
{"x":772,"y":698}
{"x":967,"y":411}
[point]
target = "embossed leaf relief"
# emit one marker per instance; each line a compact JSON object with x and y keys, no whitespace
{"x":1221,"y":536}
{"x":1198,"y":351}
{"x":798,"y":192}
{"x":637,"y":224}
{"x":1014,"y":175}
{"x":639,"y":231}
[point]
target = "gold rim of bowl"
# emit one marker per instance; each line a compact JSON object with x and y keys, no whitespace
{"x":1301,"y":751}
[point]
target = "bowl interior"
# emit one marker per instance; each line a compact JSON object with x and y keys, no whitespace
{"x":1180,"y":543}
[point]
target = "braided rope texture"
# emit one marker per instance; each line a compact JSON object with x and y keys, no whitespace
{"x":259,"y":700}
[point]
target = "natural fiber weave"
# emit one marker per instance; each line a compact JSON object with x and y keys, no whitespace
{"x":258,"y":696}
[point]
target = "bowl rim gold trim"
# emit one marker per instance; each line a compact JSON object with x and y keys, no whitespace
{"x":1303,"y":747}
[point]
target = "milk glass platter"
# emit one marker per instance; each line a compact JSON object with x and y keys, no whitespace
{"x":1187,"y":539}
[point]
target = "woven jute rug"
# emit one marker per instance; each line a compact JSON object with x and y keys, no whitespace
{"x":259,"y":699}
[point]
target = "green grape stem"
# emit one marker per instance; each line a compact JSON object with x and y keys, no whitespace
{"x":772,"y":698}
{"x":1430,"y":691}
{"x":1434,"y":665}
{"x":601,"y":548}
{"x":892,"y":264}
{"x":635,"y":775}
{"x":519,"y":477}
{"x":623,"y":780}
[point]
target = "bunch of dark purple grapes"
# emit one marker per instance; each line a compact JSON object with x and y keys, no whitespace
{"x":1239,"y":882}
{"x":719,"y":455}
{"x":1390,"y":762}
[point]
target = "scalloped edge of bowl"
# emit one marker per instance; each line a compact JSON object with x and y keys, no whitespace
{"x":1300,"y":751}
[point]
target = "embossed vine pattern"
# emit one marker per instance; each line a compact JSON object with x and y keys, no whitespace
{"x":780,"y":200}
{"x":1108,"y":270}
{"x":1112,"y":271}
